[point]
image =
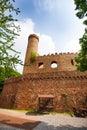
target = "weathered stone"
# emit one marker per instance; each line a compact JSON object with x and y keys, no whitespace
{"x":65,"y":83}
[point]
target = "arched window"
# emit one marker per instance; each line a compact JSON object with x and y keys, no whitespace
{"x":54,"y":64}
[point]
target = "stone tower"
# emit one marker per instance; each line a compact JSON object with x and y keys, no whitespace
{"x":33,"y":40}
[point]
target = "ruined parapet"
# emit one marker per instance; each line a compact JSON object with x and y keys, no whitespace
{"x":53,"y":63}
{"x":32,"y":47}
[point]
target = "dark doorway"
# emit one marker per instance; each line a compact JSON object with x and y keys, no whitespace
{"x":45,"y":102}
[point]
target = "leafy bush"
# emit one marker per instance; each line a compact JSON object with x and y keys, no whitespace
{"x":33,"y":56}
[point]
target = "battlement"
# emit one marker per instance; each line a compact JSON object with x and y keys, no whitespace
{"x":57,"y":54}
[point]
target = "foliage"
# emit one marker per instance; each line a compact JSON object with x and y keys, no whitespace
{"x":81,"y":6}
{"x":6,"y":73}
{"x":32,"y":56}
{"x":81,"y":59}
{"x":8,"y":32}
{"x":82,"y":56}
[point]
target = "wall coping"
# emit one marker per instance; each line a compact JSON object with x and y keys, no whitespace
{"x":61,"y":75}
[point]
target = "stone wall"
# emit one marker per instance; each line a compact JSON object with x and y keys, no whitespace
{"x":43,"y":64}
{"x":68,"y":86}
{"x":69,"y":89}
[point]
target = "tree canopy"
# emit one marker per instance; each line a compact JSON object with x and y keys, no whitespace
{"x":8,"y":32}
{"x":81,"y":7}
{"x":9,"y":57}
{"x":7,"y":73}
{"x":81,"y":59}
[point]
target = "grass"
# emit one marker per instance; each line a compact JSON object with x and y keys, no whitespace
{"x":32,"y":112}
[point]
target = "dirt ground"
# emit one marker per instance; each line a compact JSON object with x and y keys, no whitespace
{"x":18,"y":122}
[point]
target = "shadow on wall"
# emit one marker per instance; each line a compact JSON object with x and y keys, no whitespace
{"x":0,"y":91}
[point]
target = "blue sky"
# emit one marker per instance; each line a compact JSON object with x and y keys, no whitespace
{"x":55,"y":23}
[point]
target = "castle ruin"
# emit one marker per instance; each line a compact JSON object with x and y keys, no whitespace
{"x":49,"y":81}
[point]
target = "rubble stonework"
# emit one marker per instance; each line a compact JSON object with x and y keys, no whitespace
{"x":64,"y":82}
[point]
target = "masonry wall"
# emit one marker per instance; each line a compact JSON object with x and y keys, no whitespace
{"x":22,"y":92}
{"x":68,"y":86}
{"x":64,"y":62}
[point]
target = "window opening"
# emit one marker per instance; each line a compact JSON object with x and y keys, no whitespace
{"x":41,"y":65}
{"x":72,"y":62}
{"x":54,"y":64}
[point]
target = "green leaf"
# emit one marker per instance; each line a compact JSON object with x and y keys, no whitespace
{"x":8,"y":32}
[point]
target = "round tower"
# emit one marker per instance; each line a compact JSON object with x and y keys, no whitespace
{"x":33,"y":40}
{"x":32,"y":47}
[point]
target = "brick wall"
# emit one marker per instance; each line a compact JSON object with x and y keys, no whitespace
{"x":64,"y":61}
{"x":69,"y":89}
{"x":68,"y":86}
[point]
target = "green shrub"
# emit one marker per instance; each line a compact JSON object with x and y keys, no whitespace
{"x":6,"y":73}
{"x":33,"y":56}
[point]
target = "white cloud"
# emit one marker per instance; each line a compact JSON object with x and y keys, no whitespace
{"x":47,"y":5}
{"x":46,"y":44}
{"x":72,"y":46}
{"x":53,"y":5}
